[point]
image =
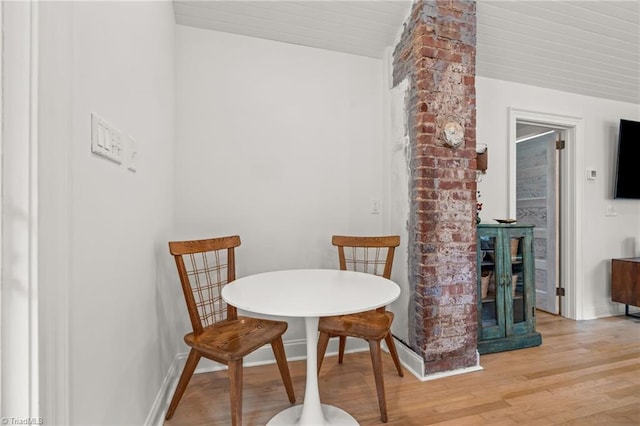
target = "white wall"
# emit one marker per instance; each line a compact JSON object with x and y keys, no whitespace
{"x":279,"y":143}
{"x":602,"y":237}
{"x":397,"y":174}
{"x":115,"y":59}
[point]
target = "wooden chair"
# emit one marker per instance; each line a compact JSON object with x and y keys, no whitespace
{"x":205,"y":267}
{"x":371,"y":255}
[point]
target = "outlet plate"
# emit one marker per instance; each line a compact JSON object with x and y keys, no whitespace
{"x":375,"y":206}
{"x":132,"y":154}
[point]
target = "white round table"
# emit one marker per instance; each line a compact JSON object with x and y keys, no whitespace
{"x":311,"y":294}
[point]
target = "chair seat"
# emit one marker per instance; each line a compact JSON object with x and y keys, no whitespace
{"x":234,"y":339}
{"x":370,"y":325}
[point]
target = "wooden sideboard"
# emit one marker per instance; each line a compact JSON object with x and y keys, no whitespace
{"x":625,"y":282}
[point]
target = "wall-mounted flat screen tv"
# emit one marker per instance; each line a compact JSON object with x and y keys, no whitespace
{"x":627,"y":181}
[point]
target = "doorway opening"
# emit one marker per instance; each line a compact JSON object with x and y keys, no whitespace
{"x":538,"y":202}
{"x":545,"y":190}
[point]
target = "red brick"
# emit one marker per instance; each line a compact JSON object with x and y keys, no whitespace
{"x":427,"y":51}
{"x":425,"y":139}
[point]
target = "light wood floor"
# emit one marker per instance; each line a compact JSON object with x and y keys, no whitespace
{"x":585,"y":373}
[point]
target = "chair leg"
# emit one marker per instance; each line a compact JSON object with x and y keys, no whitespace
{"x":376,"y":361}
{"x":283,"y":366}
{"x":343,"y":342}
{"x":323,"y":341}
{"x":235,"y":391}
{"x":185,"y":377}
{"x":394,"y":353}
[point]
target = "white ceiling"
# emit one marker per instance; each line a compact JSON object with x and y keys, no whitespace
{"x":359,"y":27}
{"x":587,"y":47}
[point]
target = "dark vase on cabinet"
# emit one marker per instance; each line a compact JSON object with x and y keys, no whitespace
{"x":506,"y":288}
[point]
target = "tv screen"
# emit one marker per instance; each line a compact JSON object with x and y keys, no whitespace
{"x":627,"y":182}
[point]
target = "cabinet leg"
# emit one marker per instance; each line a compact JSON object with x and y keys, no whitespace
{"x":626,"y":312}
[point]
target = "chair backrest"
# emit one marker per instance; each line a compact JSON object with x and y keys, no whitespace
{"x":205,"y":267}
{"x":373,"y":255}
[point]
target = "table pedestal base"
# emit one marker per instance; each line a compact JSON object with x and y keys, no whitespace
{"x":312,"y":412}
{"x":332,"y":415}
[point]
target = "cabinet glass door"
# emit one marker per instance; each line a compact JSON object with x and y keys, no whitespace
{"x":491,"y":311}
{"x":517,"y":279}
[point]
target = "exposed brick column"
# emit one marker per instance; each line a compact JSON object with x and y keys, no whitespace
{"x":437,"y":54}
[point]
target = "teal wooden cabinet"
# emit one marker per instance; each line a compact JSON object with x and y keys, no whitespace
{"x":506,"y":288}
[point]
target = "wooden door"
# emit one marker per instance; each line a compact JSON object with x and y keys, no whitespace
{"x":537,"y":202}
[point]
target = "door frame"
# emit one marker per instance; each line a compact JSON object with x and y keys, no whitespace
{"x":20,"y":360}
{"x":34,"y":204}
{"x":571,"y":189}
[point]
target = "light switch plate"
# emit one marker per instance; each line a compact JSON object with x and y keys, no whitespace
{"x":106,"y":140}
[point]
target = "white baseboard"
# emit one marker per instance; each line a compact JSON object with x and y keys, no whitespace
{"x":168,"y":386}
{"x":604,"y":310}
{"x":296,"y":350}
{"x":414,"y":363}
